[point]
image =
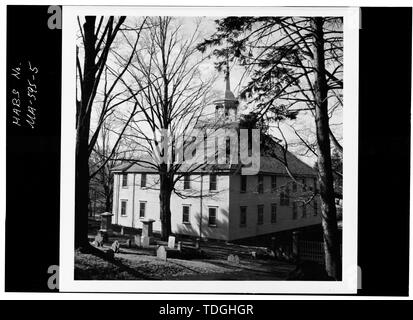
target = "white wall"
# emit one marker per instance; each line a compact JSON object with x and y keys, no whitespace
{"x":191,"y":197}
{"x":251,"y":199}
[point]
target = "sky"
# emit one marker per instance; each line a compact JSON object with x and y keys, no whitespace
{"x":305,"y":121}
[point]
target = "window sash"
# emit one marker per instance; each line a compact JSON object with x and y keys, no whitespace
{"x":143,"y":180}
{"x":124,"y":180}
{"x":187,"y":182}
{"x":212,"y":216}
{"x":185,"y":214}
{"x":243,"y":183}
{"x":260,"y":214}
{"x":260,"y":184}
{"x":123,"y":206}
{"x":142,"y":209}
{"x":274,"y":213}
{"x":213,"y":182}
{"x":243,"y":216}
{"x":273,"y":183}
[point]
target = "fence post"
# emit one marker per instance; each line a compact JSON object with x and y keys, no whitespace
{"x":296,"y":236}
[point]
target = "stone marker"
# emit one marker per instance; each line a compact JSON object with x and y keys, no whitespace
{"x":161,"y":253}
{"x":179,"y":245}
{"x":115,"y":246}
{"x":138,"y":240}
{"x":129,"y":243}
{"x":236,"y":259}
{"x":145,"y":241}
{"x":98,"y":240}
{"x":171,"y":242}
{"x":233,"y":259}
{"x":254,"y":255}
{"x":147,"y":232}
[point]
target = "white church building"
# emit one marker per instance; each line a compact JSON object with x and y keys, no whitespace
{"x":228,"y":205}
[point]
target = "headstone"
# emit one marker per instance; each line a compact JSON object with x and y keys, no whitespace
{"x":161,"y":253}
{"x":106,"y":223}
{"x":115,"y":246}
{"x":171,"y":242}
{"x":233,"y":258}
{"x":146,"y":232}
{"x":99,"y":240}
{"x":122,"y":231}
{"x":179,"y":245}
{"x":254,"y":255}
{"x":138,"y":240}
{"x":236,"y":259}
{"x":197,"y":243}
{"x":129,"y":243}
{"x":145,"y":241}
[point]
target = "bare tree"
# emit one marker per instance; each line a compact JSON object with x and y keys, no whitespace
{"x":96,"y":41}
{"x":294,"y":65}
{"x":173,"y":93}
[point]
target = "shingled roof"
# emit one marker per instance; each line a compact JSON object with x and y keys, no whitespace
{"x":268,"y":165}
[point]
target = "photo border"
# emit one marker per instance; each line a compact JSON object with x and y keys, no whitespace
{"x":348,"y":285}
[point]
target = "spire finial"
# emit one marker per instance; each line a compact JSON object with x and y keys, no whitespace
{"x":227,"y":83}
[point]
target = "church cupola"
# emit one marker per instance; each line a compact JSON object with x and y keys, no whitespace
{"x":227,"y":106}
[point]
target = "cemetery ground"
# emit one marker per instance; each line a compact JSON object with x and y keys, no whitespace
{"x":212,"y":261}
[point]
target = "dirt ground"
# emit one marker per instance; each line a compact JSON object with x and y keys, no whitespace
{"x":140,"y":264}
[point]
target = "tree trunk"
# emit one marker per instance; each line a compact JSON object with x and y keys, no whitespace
{"x":165,"y":193}
{"x":82,"y":138}
{"x":328,"y":208}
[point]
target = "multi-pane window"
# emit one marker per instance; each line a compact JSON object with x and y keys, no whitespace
{"x":185,"y":214}
{"x":213,"y":182}
{"x":294,"y":210}
{"x":285,"y":197}
{"x":304,"y":210}
{"x":304,"y":186}
{"x":143,"y":180}
{"x":124,"y":180}
{"x":187,"y":182}
{"x":142,"y":209}
{"x":123,"y":206}
{"x":273,"y":213}
{"x":243,"y":217}
{"x":260,"y":214}
{"x":315,"y":207}
{"x":212,"y":216}
{"x":273,"y":183}
{"x":243,"y":183}
{"x":260,"y":184}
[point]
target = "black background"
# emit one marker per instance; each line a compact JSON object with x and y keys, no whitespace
{"x":33,"y":156}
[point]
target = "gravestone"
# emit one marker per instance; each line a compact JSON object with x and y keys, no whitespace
{"x":129,"y":243}
{"x":106,"y":223}
{"x":115,"y":246}
{"x":233,"y":259}
{"x":145,"y":241}
{"x":98,"y":240}
{"x":146,"y":237}
{"x":138,"y":240}
{"x":179,"y":245}
{"x":161,"y":253}
{"x":171,"y":242}
{"x":197,"y":243}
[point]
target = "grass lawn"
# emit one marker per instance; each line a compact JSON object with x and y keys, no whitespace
{"x":142,"y":264}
